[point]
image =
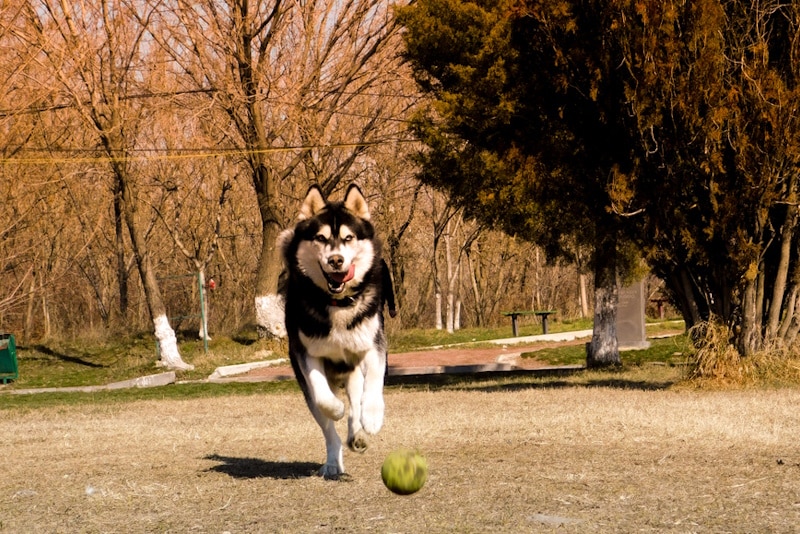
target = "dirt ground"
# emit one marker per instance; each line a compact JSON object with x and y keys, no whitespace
{"x":525,"y":456}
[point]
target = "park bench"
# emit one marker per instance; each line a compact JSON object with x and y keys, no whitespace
{"x":8,"y":358}
{"x":540,"y":313}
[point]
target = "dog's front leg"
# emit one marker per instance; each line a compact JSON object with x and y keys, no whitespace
{"x":356,"y":438}
{"x":324,"y":398}
{"x":372,"y":405}
{"x":325,"y":408}
{"x":334,"y":463}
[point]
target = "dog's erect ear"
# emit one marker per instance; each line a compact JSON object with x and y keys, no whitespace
{"x":355,"y":202}
{"x":313,"y":203}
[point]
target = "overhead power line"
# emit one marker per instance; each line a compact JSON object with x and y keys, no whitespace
{"x":146,"y":154}
{"x":10,"y":112}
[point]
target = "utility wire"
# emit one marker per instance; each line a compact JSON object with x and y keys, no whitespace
{"x":171,"y":94}
{"x":181,"y":154}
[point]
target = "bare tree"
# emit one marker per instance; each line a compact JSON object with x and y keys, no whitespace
{"x":440,"y":218}
{"x":96,"y":70}
{"x":290,"y":78}
{"x":448,"y":223}
{"x":203,"y":225}
{"x":104,"y":93}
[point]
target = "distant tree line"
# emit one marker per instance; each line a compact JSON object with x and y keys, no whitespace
{"x":146,"y":144}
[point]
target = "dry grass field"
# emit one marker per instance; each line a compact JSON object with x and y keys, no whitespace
{"x":504,"y":457}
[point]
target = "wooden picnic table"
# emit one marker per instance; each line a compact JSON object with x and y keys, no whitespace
{"x":544,"y":314}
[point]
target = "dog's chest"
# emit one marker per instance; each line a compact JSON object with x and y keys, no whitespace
{"x":343,"y":344}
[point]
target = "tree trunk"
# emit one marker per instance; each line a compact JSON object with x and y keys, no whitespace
{"x":536,"y":302}
{"x":46,"y":332}
{"x":793,"y":324}
{"x":201,"y":283}
{"x":437,"y":286}
{"x":603,"y":350}
{"x":268,"y":299}
{"x":789,"y":314}
{"x":397,"y":261}
{"x":122,"y":270}
{"x":397,"y":266}
{"x":27,"y":331}
{"x":169,"y":356}
{"x":43,"y":295}
{"x":748,"y":337}
{"x":685,"y":295}
{"x":450,"y":315}
{"x":582,"y":296}
{"x":480,"y":307}
{"x":438,"y":307}
{"x":449,"y":301}
{"x":782,"y":274}
{"x":453,"y":272}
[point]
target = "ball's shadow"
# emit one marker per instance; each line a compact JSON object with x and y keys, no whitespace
{"x":256,"y":468}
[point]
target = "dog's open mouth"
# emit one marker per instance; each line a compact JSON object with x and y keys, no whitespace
{"x":336,"y":281}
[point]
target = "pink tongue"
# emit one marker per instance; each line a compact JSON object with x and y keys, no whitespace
{"x":344,"y":277}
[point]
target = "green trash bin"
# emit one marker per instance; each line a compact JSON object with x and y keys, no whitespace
{"x":8,"y":358}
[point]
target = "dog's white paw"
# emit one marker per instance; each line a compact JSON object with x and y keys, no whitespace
{"x":331,"y":470}
{"x":372,"y":415}
{"x":332,"y":407}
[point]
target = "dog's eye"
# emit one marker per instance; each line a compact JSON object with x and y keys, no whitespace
{"x":319,"y":238}
{"x":348,"y":238}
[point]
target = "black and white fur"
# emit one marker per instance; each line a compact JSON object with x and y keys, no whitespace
{"x":334,"y":318}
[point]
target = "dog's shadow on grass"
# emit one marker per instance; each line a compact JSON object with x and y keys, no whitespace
{"x":257,"y":468}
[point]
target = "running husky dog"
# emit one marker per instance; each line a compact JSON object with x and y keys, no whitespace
{"x":334,"y":317}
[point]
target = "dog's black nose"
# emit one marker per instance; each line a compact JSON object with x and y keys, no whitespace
{"x":336,"y":261}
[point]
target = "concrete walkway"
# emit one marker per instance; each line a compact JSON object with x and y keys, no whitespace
{"x":458,"y":358}
{"x":559,"y":336}
{"x":149,"y":381}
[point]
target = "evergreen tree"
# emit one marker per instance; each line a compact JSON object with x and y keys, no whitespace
{"x":714,"y":88}
{"x":671,"y":124}
{"x":524,"y":128}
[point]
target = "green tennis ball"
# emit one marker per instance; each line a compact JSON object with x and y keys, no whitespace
{"x":404,"y":472}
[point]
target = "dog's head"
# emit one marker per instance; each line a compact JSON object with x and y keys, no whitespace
{"x":335,"y":246}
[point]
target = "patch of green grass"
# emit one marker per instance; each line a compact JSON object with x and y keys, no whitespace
{"x":194,"y":390}
{"x":653,"y":327}
{"x":673,"y":350}
{"x":99,"y":362}
{"x":80,"y":363}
